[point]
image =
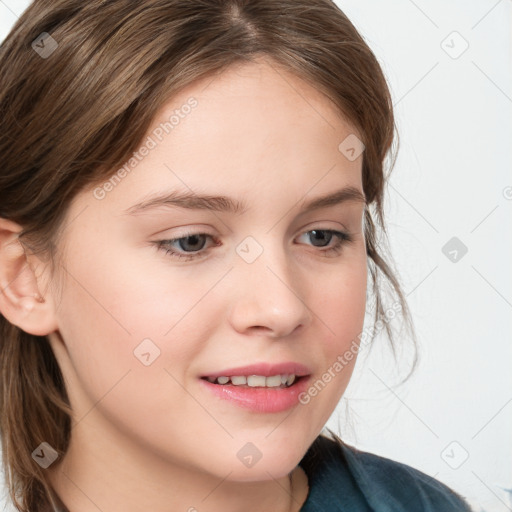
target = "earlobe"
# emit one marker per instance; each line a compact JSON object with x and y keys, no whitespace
{"x":21,"y":302}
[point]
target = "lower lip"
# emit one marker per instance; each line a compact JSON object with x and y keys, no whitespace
{"x":259,"y":399}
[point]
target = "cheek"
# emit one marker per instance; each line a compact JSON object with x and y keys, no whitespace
{"x":342,"y":303}
{"x":130,"y":298}
{"x":104,"y":321}
{"x":124,"y":310}
{"x":340,"y":310}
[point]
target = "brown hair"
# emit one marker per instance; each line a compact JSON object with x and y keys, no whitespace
{"x":71,"y":116}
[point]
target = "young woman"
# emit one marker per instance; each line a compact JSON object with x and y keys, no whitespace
{"x":190,"y":194}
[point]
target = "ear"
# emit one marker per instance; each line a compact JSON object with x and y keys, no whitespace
{"x":21,"y":302}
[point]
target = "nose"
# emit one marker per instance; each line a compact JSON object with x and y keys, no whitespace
{"x":268,"y":296}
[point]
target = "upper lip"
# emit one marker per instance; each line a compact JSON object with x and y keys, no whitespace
{"x":264,"y":369}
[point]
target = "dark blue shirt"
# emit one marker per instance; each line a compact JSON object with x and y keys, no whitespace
{"x":345,"y":479}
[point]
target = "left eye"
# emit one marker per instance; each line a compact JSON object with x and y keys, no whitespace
{"x":194,"y":243}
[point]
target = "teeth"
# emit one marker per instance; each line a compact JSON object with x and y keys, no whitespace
{"x":273,"y":382}
{"x":256,"y":381}
{"x":291,"y":380}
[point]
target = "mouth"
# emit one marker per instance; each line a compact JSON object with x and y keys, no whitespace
{"x":262,"y":388}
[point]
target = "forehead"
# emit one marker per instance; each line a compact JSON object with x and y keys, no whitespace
{"x":262,"y":88}
{"x":251,"y":117}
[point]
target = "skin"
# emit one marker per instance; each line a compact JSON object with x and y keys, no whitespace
{"x":150,"y":437}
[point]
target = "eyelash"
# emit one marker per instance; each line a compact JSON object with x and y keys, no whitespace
{"x":343,"y":239}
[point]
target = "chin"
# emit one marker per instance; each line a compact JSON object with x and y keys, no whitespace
{"x":262,"y":472}
{"x":263,"y":459}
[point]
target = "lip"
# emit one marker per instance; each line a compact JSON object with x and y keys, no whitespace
{"x":262,"y":400}
{"x":259,"y":399}
{"x":264,"y":369}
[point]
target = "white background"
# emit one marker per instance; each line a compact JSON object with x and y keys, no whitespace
{"x":453,"y":418}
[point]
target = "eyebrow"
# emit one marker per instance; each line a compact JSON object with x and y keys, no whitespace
{"x":193,"y":201}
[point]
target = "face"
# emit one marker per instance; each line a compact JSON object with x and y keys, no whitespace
{"x":157,"y":298}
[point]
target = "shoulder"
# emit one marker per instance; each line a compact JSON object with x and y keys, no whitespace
{"x":386,"y":484}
